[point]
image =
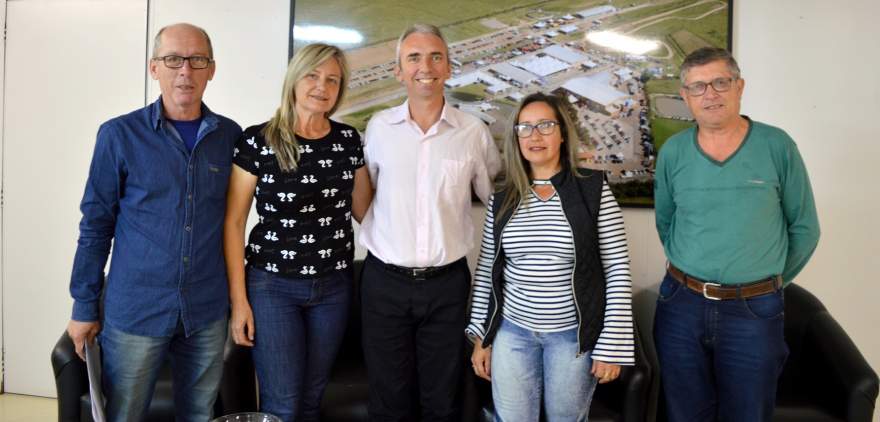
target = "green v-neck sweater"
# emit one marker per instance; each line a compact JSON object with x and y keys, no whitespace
{"x":741,"y":220}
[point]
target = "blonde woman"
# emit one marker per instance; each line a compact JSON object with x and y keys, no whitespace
{"x":290,"y":302}
{"x":551,"y":304}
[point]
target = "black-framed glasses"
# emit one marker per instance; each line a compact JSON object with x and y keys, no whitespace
{"x":524,"y":130}
{"x":176,"y":62}
{"x":718,"y":84}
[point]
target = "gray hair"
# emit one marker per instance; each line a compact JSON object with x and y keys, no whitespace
{"x":420,"y":28}
{"x":706,"y":55}
{"x":157,"y":41}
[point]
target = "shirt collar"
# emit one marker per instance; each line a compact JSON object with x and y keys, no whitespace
{"x":157,"y":117}
{"x":400,"y":114}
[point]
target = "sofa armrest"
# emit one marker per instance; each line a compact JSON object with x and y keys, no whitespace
{"x":843,"y":371}
{"x":238,"y":390}
{"x":71,"y":379}
{"x":638,"y":387}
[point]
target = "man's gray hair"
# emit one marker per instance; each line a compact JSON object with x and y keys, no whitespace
{"x":157,"y":41}
{"x":706,"y":55}
{"x":420,"y":28}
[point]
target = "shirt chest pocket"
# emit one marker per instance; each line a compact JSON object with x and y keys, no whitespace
{"x":455,"y":176}
{"x":213,"y":180}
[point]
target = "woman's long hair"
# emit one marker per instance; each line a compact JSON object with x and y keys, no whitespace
{"x":517,"y":169}
{"x":281,"y":128}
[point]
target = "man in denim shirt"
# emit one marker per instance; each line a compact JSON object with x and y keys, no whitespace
{"x":156,"y":192}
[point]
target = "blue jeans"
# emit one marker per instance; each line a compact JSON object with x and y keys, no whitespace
{"x":719,"y":359}
{"x":131,"y":366}
{"x":528,"y":364}
{"x":298,"y":327}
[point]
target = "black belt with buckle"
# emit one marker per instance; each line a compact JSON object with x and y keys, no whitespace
{"x":417,"y":273}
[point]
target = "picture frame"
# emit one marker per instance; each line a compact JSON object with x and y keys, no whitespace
{"x":616,"y":62}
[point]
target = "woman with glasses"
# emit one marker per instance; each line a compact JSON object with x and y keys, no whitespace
{"x":551,"y":304}
{"x":290,"y":302}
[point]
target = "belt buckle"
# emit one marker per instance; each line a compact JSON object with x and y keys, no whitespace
{"x":706,"y":293}
{"x":419,"y":273}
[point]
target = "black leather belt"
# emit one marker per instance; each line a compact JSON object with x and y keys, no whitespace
{"x":416,"y":273}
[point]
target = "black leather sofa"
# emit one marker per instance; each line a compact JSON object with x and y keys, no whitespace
{"x":825,"y":378}
{"x":237,"y":388}
{"x":347,"y":394}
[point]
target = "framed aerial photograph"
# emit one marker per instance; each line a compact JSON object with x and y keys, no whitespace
{"x":616,"y":62}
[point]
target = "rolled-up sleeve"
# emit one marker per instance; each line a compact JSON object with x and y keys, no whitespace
{"x":488,"y":164}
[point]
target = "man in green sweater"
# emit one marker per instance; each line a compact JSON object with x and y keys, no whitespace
{"x":736,"y":216}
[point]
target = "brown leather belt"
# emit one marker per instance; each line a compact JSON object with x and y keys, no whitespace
{"x":716,"y":291}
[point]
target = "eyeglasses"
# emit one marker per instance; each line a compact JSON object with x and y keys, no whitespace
{"x":176,"y":62}
{"x":699,"y":88}
{"x":524,"y":130}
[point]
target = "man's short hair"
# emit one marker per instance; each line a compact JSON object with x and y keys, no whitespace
{"x":420,"y":28}
{"x":706,"y":55}
{"x":157,"y":41}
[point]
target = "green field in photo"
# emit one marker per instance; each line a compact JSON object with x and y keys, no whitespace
{"x":359,"y":119}
{"x":383,"y":20}
{"x":662,"y":86}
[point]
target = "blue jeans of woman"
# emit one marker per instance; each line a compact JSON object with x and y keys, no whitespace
{"x":298,"y":327}
{"x":719,"y":359}
{"x":527,"y":365}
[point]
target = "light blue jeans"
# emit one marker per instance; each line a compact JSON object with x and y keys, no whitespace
{"x":131,"y":365}
{"x":527,"y":365}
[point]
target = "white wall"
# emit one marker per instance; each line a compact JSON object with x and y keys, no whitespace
{"x":811,"y":68}
{"x":2,"y":73}
{"x":250,"y":46}
{"x":61,"y":82}
{"x":808,"y":67}
{"x":70,"y":65}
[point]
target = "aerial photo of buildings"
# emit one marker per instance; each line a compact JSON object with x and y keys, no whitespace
{"x":615,"y":61}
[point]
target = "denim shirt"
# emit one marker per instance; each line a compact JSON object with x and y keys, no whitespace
{"x":162,"y":208}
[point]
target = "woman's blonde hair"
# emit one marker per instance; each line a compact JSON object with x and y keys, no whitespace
{"x":281,"y":128}
{"x":517,"y":170}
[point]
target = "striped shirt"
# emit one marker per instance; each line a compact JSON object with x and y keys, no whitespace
{"x":539,"y":261}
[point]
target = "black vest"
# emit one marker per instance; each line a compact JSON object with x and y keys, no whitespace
{"x":580,"y":198}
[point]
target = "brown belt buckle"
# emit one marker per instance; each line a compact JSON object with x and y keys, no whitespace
{"x":706,"y":293}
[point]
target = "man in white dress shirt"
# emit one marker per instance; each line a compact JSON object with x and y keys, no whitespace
{"x":424,"y":158}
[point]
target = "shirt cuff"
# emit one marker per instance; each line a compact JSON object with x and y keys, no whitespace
{"x":85,"y":311}
{"x":473,"y":331}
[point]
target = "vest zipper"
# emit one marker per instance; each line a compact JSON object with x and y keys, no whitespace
{"x":573,"y":295}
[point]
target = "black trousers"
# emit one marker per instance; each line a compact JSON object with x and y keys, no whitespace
{"x":413,"y":335}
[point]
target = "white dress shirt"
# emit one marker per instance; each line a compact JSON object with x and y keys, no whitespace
{"x":420,"y":215}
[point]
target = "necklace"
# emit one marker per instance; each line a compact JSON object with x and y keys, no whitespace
{"x":543,"y":189}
